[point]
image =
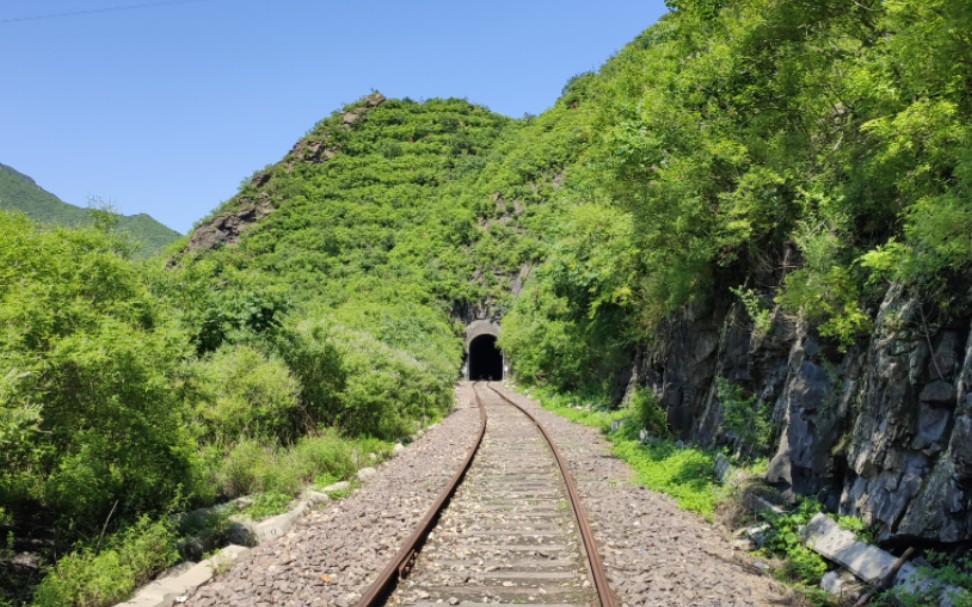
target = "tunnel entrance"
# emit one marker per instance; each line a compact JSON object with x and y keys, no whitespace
{"x":485,"y":359}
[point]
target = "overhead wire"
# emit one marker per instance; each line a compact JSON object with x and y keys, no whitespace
{"x":93,"y":11}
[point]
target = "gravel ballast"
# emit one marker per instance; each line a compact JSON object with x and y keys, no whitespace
{"x":655,"y":553}
{"x":331,"y":556}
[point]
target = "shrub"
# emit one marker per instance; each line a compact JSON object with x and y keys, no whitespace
{"x":783,"y":539}
{"x":387,"y":391}
{"x":247,"y":394}
{"x":315,"y":361}
{"x":90,"y":577}
{"x":685,"y":474}
{"x":747,"y":418}
{"x":944,"y":571}
{"x":649,"y":413}
{"x":253,"y":467}
{"x":353,"y":381}
{"x":91,"y":419}
{"x":323,"y":454}
{"x":761,"y":317}
{"x":243,"y":468}
{"x":268,"y":504}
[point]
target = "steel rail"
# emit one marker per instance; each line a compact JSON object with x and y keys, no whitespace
{"x":379,"y":590}
{"x":604,"y":593}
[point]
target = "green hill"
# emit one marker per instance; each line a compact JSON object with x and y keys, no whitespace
{"x":18,"y":192}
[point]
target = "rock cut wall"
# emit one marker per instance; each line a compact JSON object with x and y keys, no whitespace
{"x":883,"y":431}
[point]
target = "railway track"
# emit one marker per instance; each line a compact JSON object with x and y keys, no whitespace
{"x":509,"y":528}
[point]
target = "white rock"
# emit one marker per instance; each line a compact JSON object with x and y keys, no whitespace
{"x":841,"y":582}
{"x":314,"y":497}
{"x":366,"y":474}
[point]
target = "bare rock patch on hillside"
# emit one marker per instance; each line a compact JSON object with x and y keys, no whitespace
{"x":225,"y":229}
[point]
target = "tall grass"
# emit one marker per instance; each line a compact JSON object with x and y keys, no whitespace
{"x":252,"y":466}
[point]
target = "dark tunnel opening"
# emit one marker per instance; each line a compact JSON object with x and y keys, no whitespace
{"x":485,"y":359}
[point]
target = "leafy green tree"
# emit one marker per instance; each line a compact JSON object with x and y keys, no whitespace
{"x":89,"y":418}
{"x":572,"y":325}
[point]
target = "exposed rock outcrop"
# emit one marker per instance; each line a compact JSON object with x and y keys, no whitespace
{"x":882,"y":431}
{"x":225,"y":229}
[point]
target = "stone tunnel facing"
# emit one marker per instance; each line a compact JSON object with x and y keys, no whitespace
{"x":485,"y":359}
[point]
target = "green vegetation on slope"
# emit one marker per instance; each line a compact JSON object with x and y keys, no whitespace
{"x":152,"y":237}
{"x":741,"y":135}
{"x":373,"y":220}
{"x":20,"y":193}
{"x":92,"y":415}
{"x":109,"y":413}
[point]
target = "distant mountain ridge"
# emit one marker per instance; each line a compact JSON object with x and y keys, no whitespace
{"x":19,"y":192}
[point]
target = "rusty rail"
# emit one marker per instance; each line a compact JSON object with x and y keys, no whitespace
{"x":604,"y":593}
{"x":399,"y":566}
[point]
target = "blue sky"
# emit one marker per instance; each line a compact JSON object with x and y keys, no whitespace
{"x":165,"y":109}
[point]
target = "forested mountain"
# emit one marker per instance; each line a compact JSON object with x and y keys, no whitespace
{"x":755,"y":218}
{"x":19,"y":192}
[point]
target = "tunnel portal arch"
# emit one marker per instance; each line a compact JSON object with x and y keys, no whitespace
{"x":484,"y":361}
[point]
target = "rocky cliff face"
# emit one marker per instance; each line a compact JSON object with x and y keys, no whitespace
{"x":883,"y":431}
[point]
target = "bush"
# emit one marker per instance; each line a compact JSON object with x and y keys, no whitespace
{"x":325,"y":454}
{"x":649,"y":413}
{"x":387,"y":391}
{"x":90,"y":577}
{"x":746,"y":417}
{"x":572,"y":324}
{"x":268,"y":504}
{"x":686,"y":474}
{"x":353,"y":381}
{"x":944,"y":571}
{"x":783,"y":539}
{"x":244,"y":468}
{"x":253,"y":467}
{"x":247,"y":394}
{"x":91,"y":418}
{"x":315,"y":361}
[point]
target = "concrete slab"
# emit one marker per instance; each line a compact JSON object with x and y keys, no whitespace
{"x":163,"y":592}
{"x":826,"y":538}
{"x":275,"y":526}
{"x":869,"y":563}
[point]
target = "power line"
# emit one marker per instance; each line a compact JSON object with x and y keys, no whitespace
{"x":93,"y":11}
